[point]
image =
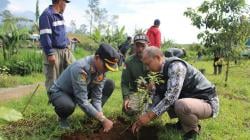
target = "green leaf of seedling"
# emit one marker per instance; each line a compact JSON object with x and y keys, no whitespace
{"x":150,"y":101}
{"x":8,"y":114}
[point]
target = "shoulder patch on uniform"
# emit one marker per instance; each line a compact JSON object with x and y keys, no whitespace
{"x":84,"y":75}
{"x":100,"y":77}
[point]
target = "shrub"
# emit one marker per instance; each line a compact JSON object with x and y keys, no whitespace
{"x":25,"y":62}
{"x":5,"y":81}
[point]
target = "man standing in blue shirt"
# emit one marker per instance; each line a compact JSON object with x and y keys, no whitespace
{"x":54,"y":41}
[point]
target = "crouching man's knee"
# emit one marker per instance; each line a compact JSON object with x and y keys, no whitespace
{"x":107,"y":91}
{"x":181,"y":108}
{"x":63,"y":106}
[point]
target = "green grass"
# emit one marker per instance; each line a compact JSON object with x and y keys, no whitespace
{"x":15,"y":80}
{"x":233,"y":121}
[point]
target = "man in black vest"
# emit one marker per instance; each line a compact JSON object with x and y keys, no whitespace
{"x":186,"y":91}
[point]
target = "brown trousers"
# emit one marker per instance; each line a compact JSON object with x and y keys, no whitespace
{"x":64,"y":57}
{"x":189,"y":111}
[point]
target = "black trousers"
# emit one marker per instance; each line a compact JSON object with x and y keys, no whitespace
{"x":64,"y":104}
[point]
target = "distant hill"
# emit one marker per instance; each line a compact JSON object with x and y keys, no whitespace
{"x":27,"y":14}
{"x":31,"y":15}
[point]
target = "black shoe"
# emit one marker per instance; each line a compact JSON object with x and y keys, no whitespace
{"x":191,"y":135}
{"x":64,"y":124}
{"x":176,"y":126}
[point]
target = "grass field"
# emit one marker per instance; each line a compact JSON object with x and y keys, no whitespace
{"x":233,"y":122}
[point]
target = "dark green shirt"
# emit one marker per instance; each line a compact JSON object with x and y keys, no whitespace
{"x":133,"y":68}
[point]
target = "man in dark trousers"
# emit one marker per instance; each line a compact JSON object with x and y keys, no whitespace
{"x":83,"y":83}
{"x":186,"y":91}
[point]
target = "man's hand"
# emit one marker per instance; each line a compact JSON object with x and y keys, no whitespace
{"x":143,"y":120}
{"x":125,"y":104}
{"x":52,"y":59}
{"x":107,"y":125}
{"x":151,"y":86}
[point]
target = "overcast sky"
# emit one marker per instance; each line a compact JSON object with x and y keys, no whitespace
{"x":132,"y":14}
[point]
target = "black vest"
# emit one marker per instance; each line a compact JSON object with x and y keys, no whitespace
{"x":195,"y":84}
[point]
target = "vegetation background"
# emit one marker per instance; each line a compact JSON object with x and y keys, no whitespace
{"x":225,"y":30}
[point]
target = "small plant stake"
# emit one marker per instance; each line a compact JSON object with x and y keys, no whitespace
{"x":31,"y":98}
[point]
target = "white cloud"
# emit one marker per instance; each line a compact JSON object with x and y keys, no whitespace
{"x":173,"y":26}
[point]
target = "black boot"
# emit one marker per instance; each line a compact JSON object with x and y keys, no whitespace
{"x":191,"y":135}
{"x":176,"y":126}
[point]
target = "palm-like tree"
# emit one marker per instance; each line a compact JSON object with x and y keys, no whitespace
{"x":11,"y":36}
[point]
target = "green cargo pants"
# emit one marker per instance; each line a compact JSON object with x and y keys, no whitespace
{"x":64,"y":57}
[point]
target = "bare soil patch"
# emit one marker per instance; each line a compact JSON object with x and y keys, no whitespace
{"x":7,"y":94}
{"x":117,"y":133}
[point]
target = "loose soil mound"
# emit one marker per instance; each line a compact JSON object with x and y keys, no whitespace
{"x":117,"y":133}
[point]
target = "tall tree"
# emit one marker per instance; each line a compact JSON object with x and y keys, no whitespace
{"x":82,"y":29}
{"x":37,"y":11}
{"x":101,"y":15}
{"x":93,"y":6}
{"x":222,"y":27}
{"x":35,"y":28}
{"x":10,"y":34}
{"x":112,"y":23}
{"x":73,"y":26}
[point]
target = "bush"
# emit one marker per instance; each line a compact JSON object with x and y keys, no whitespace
{"x":25,"y":62}
{"x":5,"y":81}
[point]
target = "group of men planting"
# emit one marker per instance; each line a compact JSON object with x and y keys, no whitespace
{"x":185,"y":93}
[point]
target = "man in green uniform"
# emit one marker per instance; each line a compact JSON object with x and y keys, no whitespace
{"x":133,"y":69}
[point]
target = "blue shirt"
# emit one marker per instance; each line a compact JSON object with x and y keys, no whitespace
{"x":52,"y":31}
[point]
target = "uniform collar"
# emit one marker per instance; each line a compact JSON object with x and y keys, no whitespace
{"x":93,"y":68}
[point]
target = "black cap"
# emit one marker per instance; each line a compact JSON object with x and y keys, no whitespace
{"x":109,"y":55}
{"x":142,"y":38}
{"x":54,"y":1}
{"x":157,"y":22}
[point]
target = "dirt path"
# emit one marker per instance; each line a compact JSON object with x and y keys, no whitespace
{"x":16,"y":92}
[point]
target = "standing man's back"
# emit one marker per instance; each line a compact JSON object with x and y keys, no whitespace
{"x":54,"y":42}
{"x":177,"y":52}
{"x":154,"y":34}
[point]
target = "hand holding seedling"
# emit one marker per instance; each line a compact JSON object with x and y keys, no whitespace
{"x":126,"y":104}
{"x":143,"y":120}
